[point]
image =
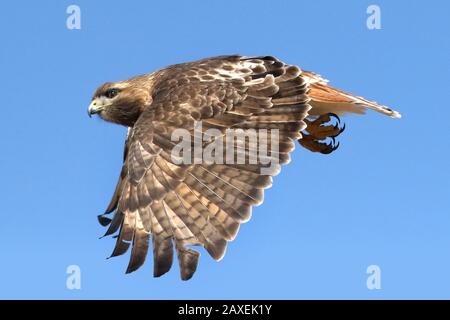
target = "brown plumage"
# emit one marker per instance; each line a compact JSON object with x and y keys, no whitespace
{"x":168,"y":206}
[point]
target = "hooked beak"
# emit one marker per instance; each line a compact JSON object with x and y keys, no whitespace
{"x":96,"y":106}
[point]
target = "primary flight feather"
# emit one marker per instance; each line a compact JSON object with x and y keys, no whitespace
{"x":180,"y":204}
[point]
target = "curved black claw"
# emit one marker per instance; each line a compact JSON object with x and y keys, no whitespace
{"x":334,"y":115}
{"x":340,"y":130}
{"x":315,"y":145}
{"x":330,"y":147}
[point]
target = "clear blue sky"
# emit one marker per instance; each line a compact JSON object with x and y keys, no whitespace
{"x":383,"y":198}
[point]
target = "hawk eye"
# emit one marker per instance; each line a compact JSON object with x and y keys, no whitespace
{"x":111,"y":93}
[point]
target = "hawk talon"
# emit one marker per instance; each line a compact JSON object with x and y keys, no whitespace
{"x":334,"y":115}
{"x":319,"y":131}
{"x":340,"y":130}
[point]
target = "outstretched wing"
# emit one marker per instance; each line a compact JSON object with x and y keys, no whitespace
{"x":179,"y":204}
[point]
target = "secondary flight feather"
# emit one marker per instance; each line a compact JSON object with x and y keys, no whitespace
{"x":170,"y":204}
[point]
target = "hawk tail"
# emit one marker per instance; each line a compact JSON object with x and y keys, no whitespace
{"x":326,"y":99}
{"x":327,"y":104}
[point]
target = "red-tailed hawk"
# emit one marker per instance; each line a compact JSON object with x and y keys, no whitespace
{"x":179,"y":204}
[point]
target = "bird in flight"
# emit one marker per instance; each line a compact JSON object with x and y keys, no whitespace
{"x":179,"y":204}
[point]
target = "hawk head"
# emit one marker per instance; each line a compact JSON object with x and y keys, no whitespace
{"x":120,"y":102}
